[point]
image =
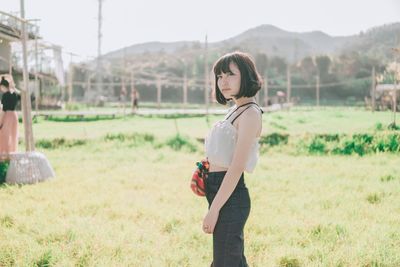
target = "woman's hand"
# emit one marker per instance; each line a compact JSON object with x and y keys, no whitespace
{"x":210,"y":221}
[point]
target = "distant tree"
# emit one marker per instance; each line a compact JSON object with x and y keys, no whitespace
{"x":323,"y":65}
{"x":277,"y":65}
{"x":261,"y":62}
{"x":355,"y":64}
{"x":308,"y":68}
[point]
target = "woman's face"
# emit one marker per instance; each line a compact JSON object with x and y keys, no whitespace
{"x":229,"y":83}
{"x":3,"y":88}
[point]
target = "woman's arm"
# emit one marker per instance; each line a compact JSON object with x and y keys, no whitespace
{"x":1,"y":118}
{"x":249,"y":126}
{"x":2,"y":112}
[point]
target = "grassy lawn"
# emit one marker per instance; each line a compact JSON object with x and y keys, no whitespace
{"x":297,"y":121}
{"x":128,"y":203}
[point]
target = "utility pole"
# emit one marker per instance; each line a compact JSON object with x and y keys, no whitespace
{"x":88,"y":85}
{"x":265,"y":90}
{"x":25,"y":92}
{"x":185,"y":85}
{"x":99,"y":37}
{"x":159,"y":92}
{"x":123,"y":93}
{"x":373,"y":88}
{"x":317,"y":90}
{"x":70,"y":77}
{"x":133,"y":95}
{"x":394,"y":102}
{"x":10,"y":61}
{"x":396,"y":51}
{"x":288,"y":84}
{"x":37,"y":92}
{"x":206,"y":83}
{"x":70,"y":82}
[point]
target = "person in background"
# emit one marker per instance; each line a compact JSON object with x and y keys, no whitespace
{"x":135,"y":100}
{"x":9,"y":117}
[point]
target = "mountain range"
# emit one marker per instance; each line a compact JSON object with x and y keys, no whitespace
{"x":376,"y":42}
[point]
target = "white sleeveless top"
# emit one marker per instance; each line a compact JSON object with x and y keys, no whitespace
{"x":221,"y":141}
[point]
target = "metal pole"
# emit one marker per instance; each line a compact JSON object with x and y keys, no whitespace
{"x":158,"y":92}
{"x":37,"y":93}
{"x":99,"y":36}
{"x":373,"y":88}
{"x":397,"y":72}
{"x":288,"y":85}
{"x":10,"y":61}
{"x":394,"y":102}
{"x":70,"y":81}
{"x":25,"y":92}
{"x":317,"y":89}
{"x":124,"y":91}
{"x":88,"y":85}
{"x":185,"y":88}
{"x":132,"y":89}
{"x":265,"y":90}
{"x":206,"y":83}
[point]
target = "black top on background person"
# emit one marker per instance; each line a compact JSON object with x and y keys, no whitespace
{"x":8,"y":100}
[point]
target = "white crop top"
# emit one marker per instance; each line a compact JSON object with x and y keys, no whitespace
{"x":220,"y":142}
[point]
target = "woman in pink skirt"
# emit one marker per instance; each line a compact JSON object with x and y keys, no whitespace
{"x":8,"y":118}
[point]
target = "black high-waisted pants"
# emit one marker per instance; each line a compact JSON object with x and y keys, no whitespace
{"x":228,"y":242}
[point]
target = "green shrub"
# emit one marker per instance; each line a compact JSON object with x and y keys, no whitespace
{"x":386,"y":143}
{"x":59,"y":143}
{"x":275,"y":139}
{"x":289,"y":262}
{"x":45,"y":260}
{"x":387,"y":178}
{"x":75,"y":118}
{"x":73,"y":106}
{"x":379,"y":126}
{"x":317,"y":146}
{"x":135,"y":138}
{"x":178,"y":143}
{"x":360,"y":144}
{"x":276,"y":125}
{"x":328,"y":137}
{"x":393,"y":126}
{"x":374,"y":198}
{"x":7,"y":221}
{"x":393,"y":143}
{"x":3,"y":170}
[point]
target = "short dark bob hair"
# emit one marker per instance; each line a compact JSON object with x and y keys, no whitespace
{"x":250,"y":82}
{"x":4,"y":82}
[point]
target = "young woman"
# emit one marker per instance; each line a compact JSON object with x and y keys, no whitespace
{"x":8,"y":118}
{"x":232,"y":148}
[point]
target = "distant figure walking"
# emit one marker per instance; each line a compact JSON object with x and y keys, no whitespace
{"x":8,"y":118}
{"x":135,"y":100}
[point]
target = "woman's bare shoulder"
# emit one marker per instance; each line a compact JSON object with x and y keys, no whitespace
{"x":253,"y":112}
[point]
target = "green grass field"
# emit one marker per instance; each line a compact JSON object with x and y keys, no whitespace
{"x":296,"y":121}
{"x":128,"y":202}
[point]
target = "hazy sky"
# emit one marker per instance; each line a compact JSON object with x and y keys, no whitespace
{"x":73,"y":23}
